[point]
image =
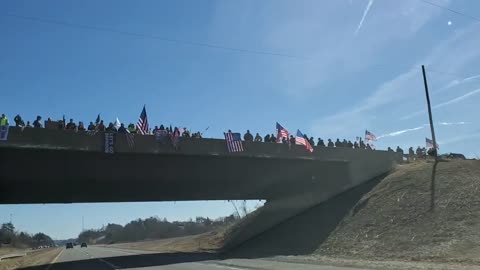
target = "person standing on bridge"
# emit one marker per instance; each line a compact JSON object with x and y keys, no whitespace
{"x":267,"y":138}
{"x":37,"y":123}
{"x":311,"y":141}
{"x":122,"y":128}
{"x":338,"y":143}
{"x":258,"y":138}
{"x":71,"y":125}
{"x":248,"y":137}
{"x":18,"y":121}
{"x":91,"y":126}
{"x":81,"y":127}
{"x":320,"y":142}
{"x":4,"y":120}
{"x":292,"y":140}
{"x":273,"y":139}
{"x":355,"y":145}
{"x":330,"y":143}
{"x":350,"y":144}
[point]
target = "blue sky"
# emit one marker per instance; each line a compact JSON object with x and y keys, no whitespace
{"x":356,"y":65}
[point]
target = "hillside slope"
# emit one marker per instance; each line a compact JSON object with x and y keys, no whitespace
{"x":394,"y":220}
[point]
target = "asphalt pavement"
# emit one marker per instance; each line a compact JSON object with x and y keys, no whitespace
{"x":102,"y":258}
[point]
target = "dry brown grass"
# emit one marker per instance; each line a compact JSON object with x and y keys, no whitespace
{"x":8,"y":250}
{"x":206,"y":242}
{"x":40,"y":257}
{"x":394,"y":220}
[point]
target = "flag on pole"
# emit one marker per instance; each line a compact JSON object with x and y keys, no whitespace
{"x":175,"y":137}
{"x":281,"y":133}
{"x":369,"y":136}
{"x":301,"y":140}
{"x":97,"y":121}
{"x":234,"y":142}
{"x":142,"y":124}
{"x":117,"y":123}
{"x":4,"y":132}
{"x":429,"y":143}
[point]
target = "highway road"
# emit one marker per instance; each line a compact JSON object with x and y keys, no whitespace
{"x":101,"y":258}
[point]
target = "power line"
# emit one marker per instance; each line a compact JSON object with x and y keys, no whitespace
{"x":451,"y":10}
{"x":164,"y":39}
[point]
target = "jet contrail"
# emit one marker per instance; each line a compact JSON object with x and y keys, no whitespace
{"x":396,"y":133}
{"x":399,"y":132}
{"x":443,"y":104}
{"x":456,"y":82}
{"x":457,"y":99}
{"x":453,"y":123}
{"x":365,"y":12}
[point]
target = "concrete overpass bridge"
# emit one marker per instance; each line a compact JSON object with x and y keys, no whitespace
{"x":57,"y":166}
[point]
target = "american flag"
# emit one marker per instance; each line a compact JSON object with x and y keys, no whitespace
{"x":234,"y":142}
{"x":369,"y":136}
{"x":429,"y":143}
{"x":281,"y":133}
{"x":142,"y":124}
{"x":175,"y":136}
{"x":301,"y":140}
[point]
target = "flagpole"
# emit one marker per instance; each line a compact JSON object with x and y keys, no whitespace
{"x":429,"y":112}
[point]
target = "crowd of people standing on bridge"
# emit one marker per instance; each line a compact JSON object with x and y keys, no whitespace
{"x":97,"y":126}
{"x":117,"y":127}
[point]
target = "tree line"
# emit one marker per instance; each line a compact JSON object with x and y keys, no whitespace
{"x":10,"y":237}
{"x":152,"y":228}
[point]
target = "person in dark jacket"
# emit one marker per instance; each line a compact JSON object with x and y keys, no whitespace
{"x":330,"y":143}
{"x":111,"y":128}
{"x":81,"y":127}
{"x":267,"y":138}
{"x":355,"y":145}
{"x":292,"y":140}
{"x":71,"y":125}
{"x":37,"y":123}
{"x":350,"y":144}
{"x":338,"y":143}
{"x":311,"y":141}
{"x":258,"y":138}
{"x":18,"y":121}
{"x":320,"y":142}
{"x":122,"y":129}
{"x":248,"y":137}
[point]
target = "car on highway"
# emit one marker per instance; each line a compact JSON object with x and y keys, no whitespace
{"x":69,"y":245}
{"x":83,"y":245}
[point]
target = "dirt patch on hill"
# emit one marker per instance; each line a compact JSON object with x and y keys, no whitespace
{"x":395,"y":219}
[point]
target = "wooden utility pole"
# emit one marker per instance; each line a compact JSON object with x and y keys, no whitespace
{"x":434,"y":167}
{"x":430,"y":112}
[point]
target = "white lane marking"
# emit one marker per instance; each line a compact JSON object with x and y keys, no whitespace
{"x":54,"y":259}
{"x":113,"y":266}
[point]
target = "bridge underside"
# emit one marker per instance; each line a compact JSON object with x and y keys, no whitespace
{"x":63,"y":176}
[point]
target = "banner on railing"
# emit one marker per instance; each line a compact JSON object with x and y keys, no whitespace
{"x":4,"y":133}
{"x":109,"y":143}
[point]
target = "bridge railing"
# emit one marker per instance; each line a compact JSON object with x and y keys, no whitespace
{"x":81,"y":141}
